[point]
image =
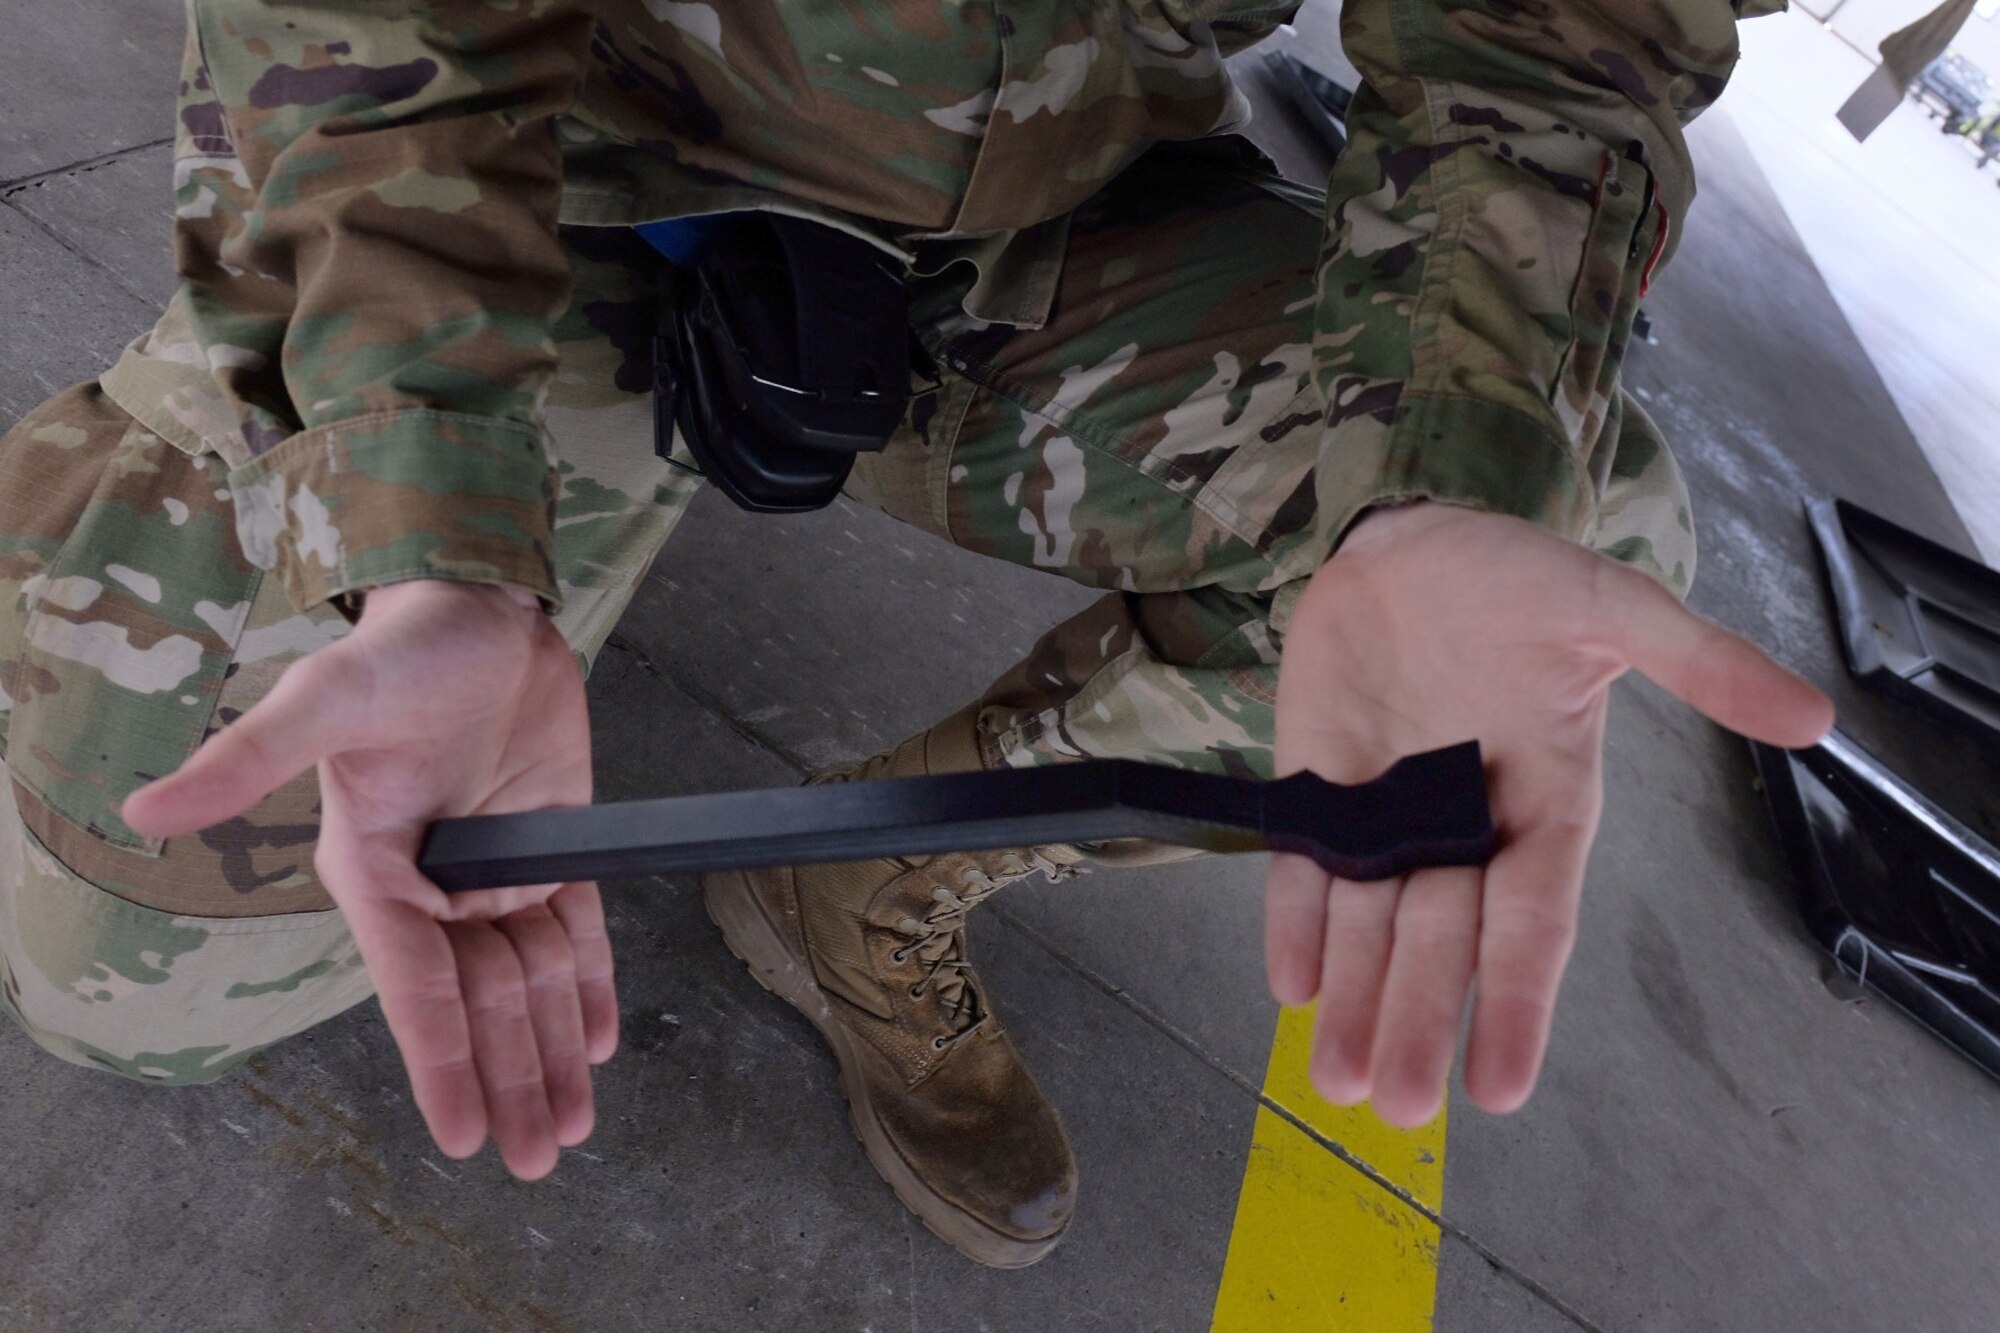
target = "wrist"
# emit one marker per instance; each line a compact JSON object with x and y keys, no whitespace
{"x":392,"y":598}
{"x":1385,"y":522}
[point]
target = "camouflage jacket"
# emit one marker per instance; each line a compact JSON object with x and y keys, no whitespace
{"x":368,"y":193}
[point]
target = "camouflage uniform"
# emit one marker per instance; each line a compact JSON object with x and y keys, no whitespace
{"x":1167,"y":374}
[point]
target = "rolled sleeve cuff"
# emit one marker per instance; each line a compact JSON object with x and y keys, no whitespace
{"x":373,"y":500}
{"x":1456,"y":450}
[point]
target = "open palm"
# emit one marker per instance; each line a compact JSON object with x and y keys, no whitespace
{"x":1436,"y":624}
{"x":447,"y":700}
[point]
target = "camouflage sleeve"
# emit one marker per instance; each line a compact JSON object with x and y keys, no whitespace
{"x":366,"y":211}
{"x":1516,"y":170}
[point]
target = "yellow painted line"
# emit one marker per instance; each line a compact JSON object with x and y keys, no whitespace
{"x":1317,"y":1245}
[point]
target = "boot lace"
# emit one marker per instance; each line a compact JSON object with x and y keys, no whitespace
{"x":937,"y":939}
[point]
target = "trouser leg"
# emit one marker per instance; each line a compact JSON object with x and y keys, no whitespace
{"x":1158,"y":438}
{"x":131,"y":626}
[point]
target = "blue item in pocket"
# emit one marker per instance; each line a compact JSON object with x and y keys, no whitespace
{"x":682,"y":240}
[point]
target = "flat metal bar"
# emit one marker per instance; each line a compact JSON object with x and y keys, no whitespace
{"x":1429,"y":809}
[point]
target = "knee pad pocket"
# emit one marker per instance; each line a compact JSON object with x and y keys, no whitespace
{"x":156,"y":995}
{"x":131,"y":595}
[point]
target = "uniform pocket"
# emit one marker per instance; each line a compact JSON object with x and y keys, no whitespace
{"x":129,"y":594}
{"x":1603,"y":299}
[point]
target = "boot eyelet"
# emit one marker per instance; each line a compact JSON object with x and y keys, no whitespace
{"x":899,"y":955}
{"x":939,"y":1043}
{"x":917,"y":991}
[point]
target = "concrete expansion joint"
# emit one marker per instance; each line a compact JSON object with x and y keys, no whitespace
{"x":117,"y":278}
{"x":708,"y":703}
{"x":9,"y":188}
{"x":1097,"y":981}
{"x":27,"y":216}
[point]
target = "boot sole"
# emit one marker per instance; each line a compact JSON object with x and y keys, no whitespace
{"x":750,"y":936}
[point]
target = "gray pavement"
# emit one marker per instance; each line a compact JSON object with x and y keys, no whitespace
{"x":1901,"y":228}
{"x":1723,"y":1141}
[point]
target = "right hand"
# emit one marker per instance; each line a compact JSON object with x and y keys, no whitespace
{"x":1435,"y":624}
{"x":448,"y":699}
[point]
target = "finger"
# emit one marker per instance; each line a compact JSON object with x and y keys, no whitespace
{"x":1360,"y":925}
{"x":1294,"y":926}
{"x":503,"y":1049}
{"x":416,"y":978}
{"x":287,"y":732}
{"x":556,"y":1014}
{"x":1423,"y":995}
{"x":581,"y":912}
{"x":1718,"y":672}
{"x":1527,"y":929}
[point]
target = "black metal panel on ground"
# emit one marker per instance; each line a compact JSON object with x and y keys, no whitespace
{"x":1428,"y":809}
{"x":1916,"y":620}
{"x":1319,"y":103}
{"x":1905,"y":897}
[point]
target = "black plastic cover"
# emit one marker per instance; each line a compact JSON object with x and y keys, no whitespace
{"x":1916,"y":620}
{"x":783,"y":351}
{"x":1905,"y":897}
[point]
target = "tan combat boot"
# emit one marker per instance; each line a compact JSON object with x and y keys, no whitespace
{"x":873,"y":952}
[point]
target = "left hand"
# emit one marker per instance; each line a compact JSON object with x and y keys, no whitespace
{"x":1435,"y":624}
{"x":447,"y":699}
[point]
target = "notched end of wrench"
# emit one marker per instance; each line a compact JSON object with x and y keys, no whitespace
{"x":1428,"y":809}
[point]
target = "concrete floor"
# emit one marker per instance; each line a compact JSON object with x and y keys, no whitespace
{"x":1723,"y":1141}
{"x":1901,"y":228}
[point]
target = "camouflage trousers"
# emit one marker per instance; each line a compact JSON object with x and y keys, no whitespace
{"x":1156,"y":438}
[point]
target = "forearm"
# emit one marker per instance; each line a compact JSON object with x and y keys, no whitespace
{"x":1514,"y":176}
{"x":367,"y":205}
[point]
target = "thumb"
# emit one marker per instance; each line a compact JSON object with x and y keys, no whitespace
{"x":1720,"y":673}
{"x":300,"y":722}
